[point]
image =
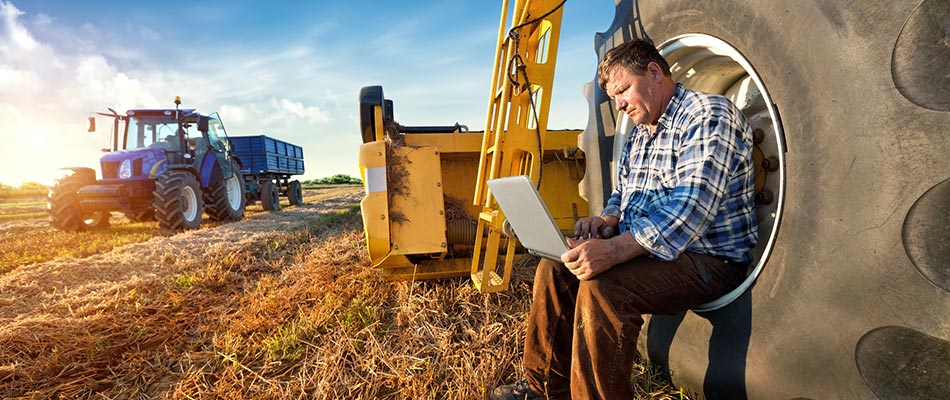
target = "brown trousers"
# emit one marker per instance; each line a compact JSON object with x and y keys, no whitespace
{"x":581,"y":341}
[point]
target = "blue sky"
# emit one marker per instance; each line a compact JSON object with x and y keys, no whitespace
{"x":291,"y":71}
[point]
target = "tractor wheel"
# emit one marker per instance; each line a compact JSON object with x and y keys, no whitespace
{"x":295,"y":193}
{"x":63,"y":205}
{"x":856,"y":116}
{"x":177,"y":201}
{"x":145,"y":215}
{"x":270,"y":198}
{"x":225,"y":199}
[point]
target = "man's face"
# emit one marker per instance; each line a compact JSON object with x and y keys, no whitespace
{"x":635,"y":95}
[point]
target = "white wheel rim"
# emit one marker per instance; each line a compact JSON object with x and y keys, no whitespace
{"x":709,"y":64}
{"x":234,"y":192}
{"x":189,"y":203}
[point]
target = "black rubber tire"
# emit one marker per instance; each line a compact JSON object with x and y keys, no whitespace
{"x":178,"y":202}
{"x":861,"y":154}
{"x":220,"y":203}
{"x":295,"y":193}
{"x":270,"y":196}
{"x":63,"y":205}
{"x":145,"y":215}
{"x":371,"y":96}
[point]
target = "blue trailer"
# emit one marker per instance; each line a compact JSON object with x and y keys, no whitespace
{"x":267,"y":165}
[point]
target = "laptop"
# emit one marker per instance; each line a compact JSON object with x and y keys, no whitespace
{"x":528,"y":216}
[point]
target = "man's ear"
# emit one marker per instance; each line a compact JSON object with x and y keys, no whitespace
{"x":654,"y":71}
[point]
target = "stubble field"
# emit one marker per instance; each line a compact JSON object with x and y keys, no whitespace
{"x":280,"y":305}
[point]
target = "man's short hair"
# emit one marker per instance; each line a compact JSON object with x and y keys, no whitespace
{"x":633,"y":55}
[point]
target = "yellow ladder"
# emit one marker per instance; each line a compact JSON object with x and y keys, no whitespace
{"x":515,"y":126}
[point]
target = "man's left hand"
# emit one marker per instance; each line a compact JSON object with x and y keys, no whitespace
{"x":590,"y":257}
{"x":587,"y":258}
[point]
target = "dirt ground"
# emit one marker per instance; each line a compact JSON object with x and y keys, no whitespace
{"x":74,"y":285}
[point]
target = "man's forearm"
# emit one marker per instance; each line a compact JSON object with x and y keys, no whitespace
{"x":624,"y":247}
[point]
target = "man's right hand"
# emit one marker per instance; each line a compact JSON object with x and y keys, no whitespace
{"x":596,"y":227}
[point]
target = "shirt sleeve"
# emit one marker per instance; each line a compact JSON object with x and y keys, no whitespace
{"x":706,"y":157}
{"x":613,"y":204}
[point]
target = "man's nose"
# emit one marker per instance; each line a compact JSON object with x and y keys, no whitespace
{"x":620,"y":104}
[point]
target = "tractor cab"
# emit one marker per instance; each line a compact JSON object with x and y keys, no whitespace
{"x":185,"y":138}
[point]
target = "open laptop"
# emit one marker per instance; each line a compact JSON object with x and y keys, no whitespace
{"x":528,"y":216}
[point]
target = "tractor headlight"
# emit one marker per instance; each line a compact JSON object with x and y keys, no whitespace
{"x":125,"y":169}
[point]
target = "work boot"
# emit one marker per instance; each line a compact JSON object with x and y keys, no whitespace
{"x":517,"y":391}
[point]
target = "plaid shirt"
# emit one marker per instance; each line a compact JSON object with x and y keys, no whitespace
{"x":689,"y":186}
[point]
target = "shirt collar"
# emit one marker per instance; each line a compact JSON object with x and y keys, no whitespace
{"x":667,"y":118}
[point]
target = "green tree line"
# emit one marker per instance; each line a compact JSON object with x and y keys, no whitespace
{"x":333,"y":180}
{"x":27,"y":189}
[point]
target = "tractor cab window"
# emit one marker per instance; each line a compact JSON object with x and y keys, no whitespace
{"x":216,"y":133}
{"x":158,"y":131}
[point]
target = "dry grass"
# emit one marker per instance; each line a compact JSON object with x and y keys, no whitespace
{"x":29,"y":239}
{"x":279,"y":306}
{"x":26,"y":237}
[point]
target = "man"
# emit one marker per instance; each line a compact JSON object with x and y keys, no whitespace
{"x":676,"y":233}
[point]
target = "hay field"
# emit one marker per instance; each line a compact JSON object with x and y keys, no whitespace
{"x":279,"y":305}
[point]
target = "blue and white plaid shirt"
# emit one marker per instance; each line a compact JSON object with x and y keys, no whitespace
{"x":689,"y":186}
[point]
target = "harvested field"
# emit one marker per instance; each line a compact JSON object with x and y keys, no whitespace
{"x":277,"y":306}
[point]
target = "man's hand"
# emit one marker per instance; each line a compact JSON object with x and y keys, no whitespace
{"x":596,"y":227}
{"x":587,"y":257}
{"x":590,"y":257}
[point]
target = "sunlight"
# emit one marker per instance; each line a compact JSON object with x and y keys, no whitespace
{"x":37,"y":141}
{"x":38,"y":154}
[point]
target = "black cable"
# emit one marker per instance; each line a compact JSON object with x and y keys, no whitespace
{"x":538,"y":18}
{"x":520,"y":65}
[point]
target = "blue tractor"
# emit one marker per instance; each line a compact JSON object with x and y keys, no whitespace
{"x":169,"y":165}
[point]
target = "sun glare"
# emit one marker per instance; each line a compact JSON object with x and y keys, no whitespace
{"x":39,"y":155}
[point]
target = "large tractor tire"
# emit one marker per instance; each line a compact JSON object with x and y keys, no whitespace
{"x":145,"y":215}
{"x":63,"y":204}
{"x":270,"y":196}
{"x":224,"y":200}
{"x":295,"y":193}
{"x":178,"y":201}
{"x":851,"y":295}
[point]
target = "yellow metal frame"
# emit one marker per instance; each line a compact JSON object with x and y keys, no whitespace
{"x":409,"y":234}
{"x":515,"y":126}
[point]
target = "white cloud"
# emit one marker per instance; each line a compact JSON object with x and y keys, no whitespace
{"x":42,"y":20}
{"x":14,"y":81}
{"x":18,"y":36}
{"x":310,"y":113}
{"x":99,"y":84}
{"x":237,"y":114}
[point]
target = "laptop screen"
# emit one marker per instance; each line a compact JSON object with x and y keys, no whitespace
{"x":528,"y":216}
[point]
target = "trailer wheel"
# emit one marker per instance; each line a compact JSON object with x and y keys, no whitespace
{"x":225,"y":200}
{"x":63,"y":205}
{"x":295,"y":193}
{"x":270,"y":198}
{"x":177,"y":203}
